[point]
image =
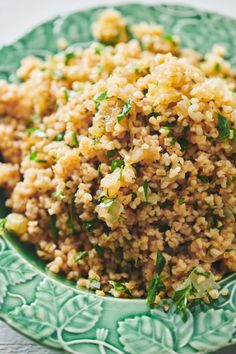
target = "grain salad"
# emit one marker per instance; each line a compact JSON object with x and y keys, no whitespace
{"x":118,"y":162}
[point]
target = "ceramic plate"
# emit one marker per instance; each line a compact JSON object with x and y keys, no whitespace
{"x":51,"y":310}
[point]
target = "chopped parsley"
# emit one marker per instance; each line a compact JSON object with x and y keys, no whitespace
{"x":96,"y":141}
{"x":99,"y":48}
{"x":117,"y":164}
{"x":60,"y":136}
{"x":181,"y":297}
{"x":100,"y":198}
{"x":217,"y":67}
{"x":205,"y":274}
{"x":31,"y":121}
{"x":171,"y":124}
{"x":71,"y":219}
{"x":145,"y":91}
{"x":168,"y":37}
{"x":68,"y":57}
{"x":91,"y":225}
{"x":160,"y":262}
{"x":134,"y":195}
{"x":53,"y":227}
{"x":183,"y":144}
{"x":145,"y":190}
{"x":156,"y":284}
{"x":33,"y":157}
{"x":3,"y":222}
{"x":81,"y":255}
{"x":181,"y":200}
{"x":153,"y":114}
{"x":59,"y":195}
{"x":155,"y":287}
{"x":68,"y":94}
{"x":74,"y":140}
{"x":125,"y":110}
{"x":101,"y":97}
{"x":204,"y":179}
{"x":111,"y":153}
{"x":161,"y":226}
{"x":223,"y":127}
{"x":36,"y":131}
{"x":121,"y":287}
{"x":166,"y":204}
{"x":119,"y":254}
{"x":100,"y":251}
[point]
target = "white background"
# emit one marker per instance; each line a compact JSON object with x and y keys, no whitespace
{"x":18,"y":17}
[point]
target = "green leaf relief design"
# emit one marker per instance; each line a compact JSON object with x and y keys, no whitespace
{"x":3,"y":288}
{"x":180,"y":324}
{"x":212,"y":330}
{"x":79,"y":314}
{"x":14,"y":270}
{"x":146,"y":335}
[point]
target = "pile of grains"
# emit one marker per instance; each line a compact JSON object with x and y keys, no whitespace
{"x":119,"y":163}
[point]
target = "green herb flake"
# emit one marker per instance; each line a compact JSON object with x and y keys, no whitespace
{"x":205,"y":274}
{"x":117,"y":164}
{"x":181,"y":200}
{"x":81,"y":255}
{"x":171,"y":124}
{"x":153,"y":114}
{"x":234,"y":135}
{"x":145,"y":91}
{"x":145,"y":190}
{"x":160,"y":262}
{"x":125,"y":110}
{"x":155,"y":287}
{"x":166,"y":204}
{"x":59,"y":195}
{"x":68,"y":57}
{"x":168,"y":37}
{"x":182,"y":296}
{"x":217,"y":67}
{"x":100,"y":251}
{"x":74,"y":140}
{"x":121,"y":287}
{"x":223,"y":127}
{"x":53,"y":227}
{"x":134,"y":195}
{"x":95,"y":284}
{"x":111,"y":153}
{"x":183,"y":144}
{"x":60,"y":136}
{"x":101,"y":97}
{"x":96,"y":141}
{"x":32,"y":120}
{"x":100,"y":198}
{"x":37,"y":132}
{"x":71,"y":219}
{"x":33,"y":157}
{"x":91,"y":225}
{"x":162,"y":227}
{"x":98,"y":50}
{"x":3,"y":222}
{"x":204,"y":179}
{"x":119,"y":254}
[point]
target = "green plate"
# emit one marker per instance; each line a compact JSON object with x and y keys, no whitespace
{"x":51,"y":310}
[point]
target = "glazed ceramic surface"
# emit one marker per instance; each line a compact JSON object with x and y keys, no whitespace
{"x":50,"y":309}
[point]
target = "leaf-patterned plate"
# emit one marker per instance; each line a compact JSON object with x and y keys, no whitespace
{"x":51,"y":310}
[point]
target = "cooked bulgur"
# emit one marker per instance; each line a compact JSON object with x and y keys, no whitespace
{"x":119,"y":162}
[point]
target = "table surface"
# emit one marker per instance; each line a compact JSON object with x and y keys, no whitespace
{"x":19,"y":17}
